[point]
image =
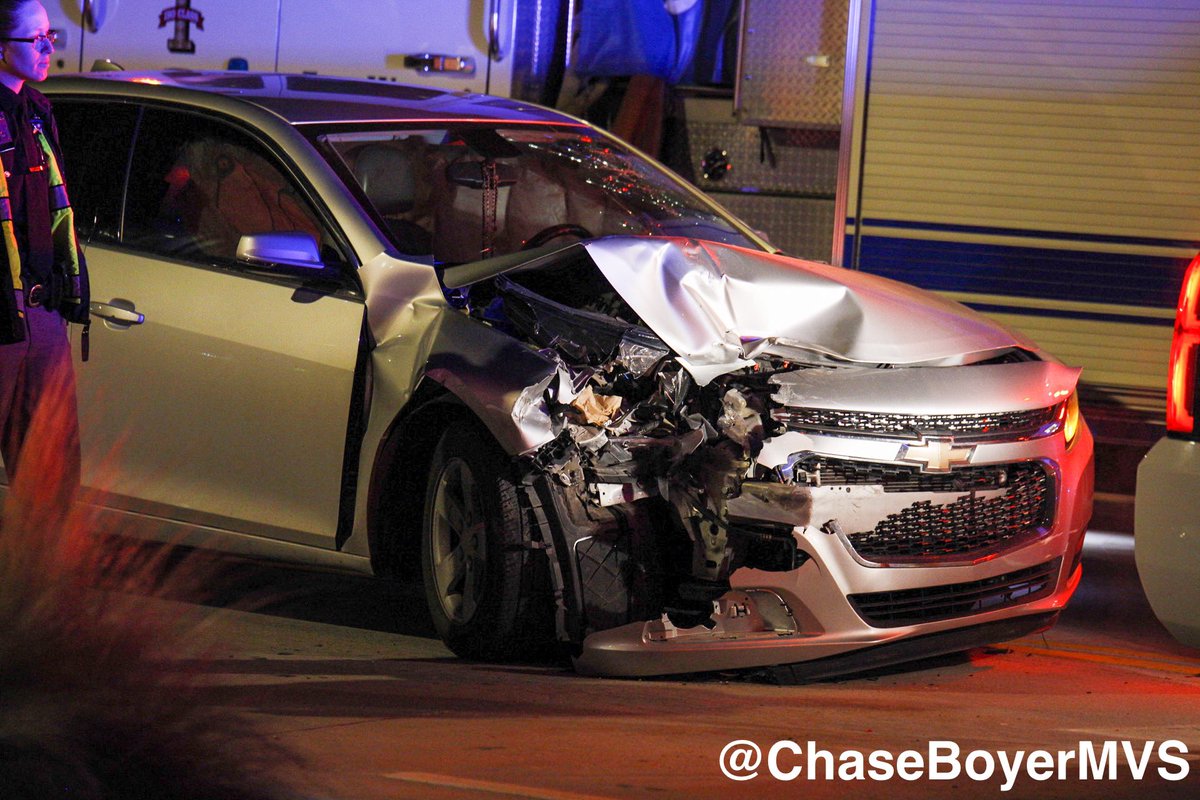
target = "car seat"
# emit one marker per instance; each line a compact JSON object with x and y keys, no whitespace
{"x":219,"y":191}
{"x":387,"y":177}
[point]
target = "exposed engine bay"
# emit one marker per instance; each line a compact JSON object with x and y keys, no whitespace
{"x":675,"y":467}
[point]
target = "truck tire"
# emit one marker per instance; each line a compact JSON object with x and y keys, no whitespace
{"x":485,"y":594}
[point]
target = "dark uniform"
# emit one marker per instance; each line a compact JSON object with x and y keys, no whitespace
{"x":44,"y":288}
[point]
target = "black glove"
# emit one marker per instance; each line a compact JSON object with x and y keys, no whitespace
{"x":73,"y":310}
{"x":67,"y":295}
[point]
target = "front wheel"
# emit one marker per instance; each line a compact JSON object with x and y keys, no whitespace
{"x":481,"y":582}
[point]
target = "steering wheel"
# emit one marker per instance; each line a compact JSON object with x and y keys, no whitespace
{"x":554,"y":231}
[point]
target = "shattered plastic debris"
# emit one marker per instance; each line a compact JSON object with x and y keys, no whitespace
{"x":739,"y":422}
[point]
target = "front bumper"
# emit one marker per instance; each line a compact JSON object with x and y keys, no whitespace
{"x":827,"y":609}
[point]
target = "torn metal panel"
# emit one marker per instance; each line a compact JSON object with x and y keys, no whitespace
{"x":501,"y":380}
{"x":785,"y":503}
{"x":716,"y":306}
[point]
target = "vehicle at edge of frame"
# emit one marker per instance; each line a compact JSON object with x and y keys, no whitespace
{"x":1166,"y":543}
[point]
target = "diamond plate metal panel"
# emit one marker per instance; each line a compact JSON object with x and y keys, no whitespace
{"x":798,"y":226}
{"x":793,"y":62}
{"x":790,"y":161}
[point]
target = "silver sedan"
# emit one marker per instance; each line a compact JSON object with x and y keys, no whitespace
{"x":379,"y":327}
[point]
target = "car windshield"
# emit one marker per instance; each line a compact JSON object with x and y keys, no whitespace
{"x":466,"y":192}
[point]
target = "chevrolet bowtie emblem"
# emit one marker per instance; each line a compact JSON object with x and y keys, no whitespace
{"x":936,"y":455}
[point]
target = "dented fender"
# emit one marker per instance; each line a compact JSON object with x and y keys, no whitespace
{"x":501,"y":380}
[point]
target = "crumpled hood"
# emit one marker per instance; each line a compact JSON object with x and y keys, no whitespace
{"x":717,"y":306}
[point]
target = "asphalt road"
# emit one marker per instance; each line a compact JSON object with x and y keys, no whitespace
{"x":345,"y":673}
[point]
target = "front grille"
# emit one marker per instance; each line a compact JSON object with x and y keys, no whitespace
{"x":912,"y":606}
{"x":968,"y":527}
{"x":822,"y":471}
{"x":973,"y":427}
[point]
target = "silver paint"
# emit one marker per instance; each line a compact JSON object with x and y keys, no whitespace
{"x":719,"y":306}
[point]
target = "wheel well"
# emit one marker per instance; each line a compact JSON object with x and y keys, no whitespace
{"x":398,"y":480}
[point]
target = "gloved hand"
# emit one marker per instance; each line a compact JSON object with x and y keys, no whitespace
{"x":74,"y":306}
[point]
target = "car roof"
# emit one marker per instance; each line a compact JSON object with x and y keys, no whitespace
{"x":308,"y":99}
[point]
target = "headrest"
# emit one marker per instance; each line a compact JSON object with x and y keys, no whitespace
{"x":386,"y":175}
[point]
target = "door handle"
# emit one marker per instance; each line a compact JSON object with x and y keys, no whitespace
{"x":495,"y":52}
{"x":436,"y":62}
{"x":118,"y":312}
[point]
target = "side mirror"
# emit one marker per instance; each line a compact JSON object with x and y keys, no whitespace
{"x":283,"y":249}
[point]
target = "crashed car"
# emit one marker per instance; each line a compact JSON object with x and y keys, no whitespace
{"x":387,"y":328}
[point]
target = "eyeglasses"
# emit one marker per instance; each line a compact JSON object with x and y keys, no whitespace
{"x":40,"y":42}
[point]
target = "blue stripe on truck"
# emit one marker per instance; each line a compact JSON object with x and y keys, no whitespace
{"x":1062,"y":313}
{"x":1025,"y":233}
{"x":1073,"y":275}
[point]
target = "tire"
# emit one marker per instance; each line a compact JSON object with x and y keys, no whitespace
{"x":485,"y":593}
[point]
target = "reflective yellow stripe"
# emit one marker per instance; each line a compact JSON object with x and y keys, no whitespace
{"x":9,"y":235}
{"x":62,"y":221}
{"x":62,"y":218}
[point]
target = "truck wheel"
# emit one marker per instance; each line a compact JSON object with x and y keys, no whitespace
{"x":479,"y":577}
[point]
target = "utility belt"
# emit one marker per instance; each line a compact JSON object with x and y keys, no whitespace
{"x":36,"y":295}
{"x":48,"y":294}
{"x":52,"y":295}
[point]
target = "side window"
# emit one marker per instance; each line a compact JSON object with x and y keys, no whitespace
{"x":197,"y":186}
{"x":95,"y":138}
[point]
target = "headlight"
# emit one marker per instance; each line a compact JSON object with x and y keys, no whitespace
{"x":1068,"y":417}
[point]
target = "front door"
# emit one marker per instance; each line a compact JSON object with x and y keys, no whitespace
{"x":227,"y":405}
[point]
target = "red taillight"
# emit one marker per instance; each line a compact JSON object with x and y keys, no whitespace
{"x":1185,"y":350}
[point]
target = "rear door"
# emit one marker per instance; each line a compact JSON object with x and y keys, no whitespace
{"x":228,"y":405}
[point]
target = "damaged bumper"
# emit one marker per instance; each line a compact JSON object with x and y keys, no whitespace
{"x":847,"y":596}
